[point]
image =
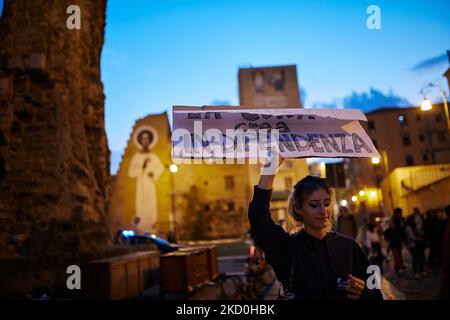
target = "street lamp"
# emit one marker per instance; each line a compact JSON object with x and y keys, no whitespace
{"x":385,"y":175}
{"x":426,"y":104}
{"x":173,"y":168}
{"x":375,"y":160}
{"x":385,"y":162}
{"x":381,"y":169}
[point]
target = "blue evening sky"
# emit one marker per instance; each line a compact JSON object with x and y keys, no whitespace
{"x":170,"y":52}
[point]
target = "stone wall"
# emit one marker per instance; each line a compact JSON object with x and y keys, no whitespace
{"x":54,"y":157}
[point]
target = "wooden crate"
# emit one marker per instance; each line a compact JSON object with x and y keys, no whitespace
{"x":120,"y":277}
{"x":212,"y":258}
{"x":212,"y":262}
{"x":184,"y":270}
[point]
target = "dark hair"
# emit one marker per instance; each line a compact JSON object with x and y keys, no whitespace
{"x":139,"y":137}
{"x":302,"y":190}
{"x":410,"y":221}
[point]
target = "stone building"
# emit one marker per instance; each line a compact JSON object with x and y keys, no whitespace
{"x":404,"y":137}
{"x":206,"y":201}
{"x":269,"y":87}
{"x":410,"y":141}
{"x":273,"y":87}
{"x":447,"y":73}
{"x":54,"y":156}
{"x":424,"y":187}
{"x":142,"y":185}
{"x":198,"y":201}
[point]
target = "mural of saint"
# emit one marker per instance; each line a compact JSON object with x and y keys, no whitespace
{"x":259,"y":81}
{"x":146,"y":167}
{"x":277,"y":80}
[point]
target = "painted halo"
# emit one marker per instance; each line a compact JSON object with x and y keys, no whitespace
{"x":140,"y":130}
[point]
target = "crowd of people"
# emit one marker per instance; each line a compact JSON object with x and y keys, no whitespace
{"x":382,"y":238}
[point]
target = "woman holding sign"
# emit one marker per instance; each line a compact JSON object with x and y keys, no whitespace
{"x":314,"y":263}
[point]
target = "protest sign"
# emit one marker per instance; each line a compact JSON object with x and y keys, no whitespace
{"x":237,"y":132}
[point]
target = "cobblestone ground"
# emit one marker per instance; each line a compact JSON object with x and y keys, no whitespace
{"x":394,"y":287}
{"x":425,"y":288}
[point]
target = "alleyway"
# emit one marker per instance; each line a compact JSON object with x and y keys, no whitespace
{"x":425,"y":288}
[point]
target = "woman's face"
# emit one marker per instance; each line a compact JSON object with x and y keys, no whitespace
{"x":316,"y":210}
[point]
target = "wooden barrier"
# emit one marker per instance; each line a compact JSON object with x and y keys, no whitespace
{"x":212,"y":262}
{"x":188,"y":268}
{"x":122,"y":276}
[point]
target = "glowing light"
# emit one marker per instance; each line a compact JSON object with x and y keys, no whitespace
{"x":153,"y":236}
{"x":425,"y":105}
{"x":375,"y":160}
{"x":362,"y":193}
{"x":372,"y":194}
{"x":354,"y":198}
{"x":173,"y":168}
{"x":344,"y":203}
{"x":128,"y":233}
{"x":252,"y":251}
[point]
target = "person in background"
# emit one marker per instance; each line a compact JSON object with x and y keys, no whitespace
{"x":171,"y":237}
{"x":415,"y":242}
{"x":432,"y":235}
{"x":395,"y":236}
{"x":373,"y":242}
{"x":361,"y":236}
{"x":346,"y":223}
{"x":444,"y":292}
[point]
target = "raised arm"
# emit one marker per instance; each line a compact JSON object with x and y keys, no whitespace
{"x":259,"y":217}
{"x":266,"y":181}
{"x":268,"y":235}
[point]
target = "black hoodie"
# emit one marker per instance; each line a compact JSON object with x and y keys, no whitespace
{"x":319,"y":265}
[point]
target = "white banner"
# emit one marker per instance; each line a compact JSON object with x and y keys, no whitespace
{"x":237,"y":132}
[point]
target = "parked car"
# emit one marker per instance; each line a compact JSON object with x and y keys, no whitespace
{"x":131,"y":238}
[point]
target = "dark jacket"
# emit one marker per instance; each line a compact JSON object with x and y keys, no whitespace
{"x":444,"y":292}
{"x":319,"y":265}
{"x":394,"y":237}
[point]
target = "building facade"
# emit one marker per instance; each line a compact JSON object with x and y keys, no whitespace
{"x":404,"y":137}
{"x":273,"y":87}
{"x":269,"y":87}
{"x":200,"y":201}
